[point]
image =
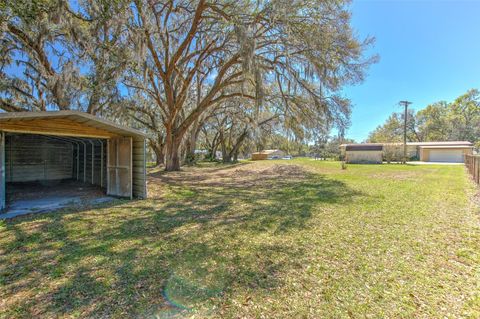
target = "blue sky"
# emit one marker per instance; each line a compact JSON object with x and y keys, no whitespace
{"x":429,"y":51}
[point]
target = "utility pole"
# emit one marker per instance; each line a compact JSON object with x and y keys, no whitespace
{"x":405,"y":104}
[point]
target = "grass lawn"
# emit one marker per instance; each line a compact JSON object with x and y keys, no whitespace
{"x":272,"y":239}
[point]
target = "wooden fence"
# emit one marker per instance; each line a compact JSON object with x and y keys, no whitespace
{"x":473,"y":165}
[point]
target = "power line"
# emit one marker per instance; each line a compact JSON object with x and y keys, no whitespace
{"x":405,"y":104}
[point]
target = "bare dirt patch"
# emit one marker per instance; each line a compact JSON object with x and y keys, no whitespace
{"x":239,"y":176}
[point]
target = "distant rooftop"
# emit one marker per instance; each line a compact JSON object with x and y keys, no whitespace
{"x":445,"y":146}
{"x":267,"y":152}
{"x":445,"y":143}
{"x":364,"y":147}
{"x":464,"y":143}
{"x":365,"y":144}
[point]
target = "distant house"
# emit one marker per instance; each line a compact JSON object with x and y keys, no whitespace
{"x":267,"y":154}
{"x":364,"y":153}
{"x":447,"y":151}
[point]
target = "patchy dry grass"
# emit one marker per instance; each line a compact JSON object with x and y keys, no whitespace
{"x":273,"y":239}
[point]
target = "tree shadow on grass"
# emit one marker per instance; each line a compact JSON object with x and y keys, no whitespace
{"x":183,"y":251}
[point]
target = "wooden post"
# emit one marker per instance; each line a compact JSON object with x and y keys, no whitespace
{"x":477,"y":159}
{"x":472,"y":162}
{"x":474,"y":169}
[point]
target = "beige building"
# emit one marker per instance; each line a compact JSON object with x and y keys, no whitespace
{"x":364,"y":153}
{"x":447,"y":151}
{"x":267,"y":154}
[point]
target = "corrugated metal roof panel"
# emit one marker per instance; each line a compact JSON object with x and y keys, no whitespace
{"x":80,"y":117}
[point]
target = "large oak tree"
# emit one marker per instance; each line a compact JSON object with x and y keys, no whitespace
{"x":234,"y":48}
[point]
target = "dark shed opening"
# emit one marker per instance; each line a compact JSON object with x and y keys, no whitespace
{"x":37,"y":166}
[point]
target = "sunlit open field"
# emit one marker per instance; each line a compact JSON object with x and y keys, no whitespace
{"x":272,"y":239}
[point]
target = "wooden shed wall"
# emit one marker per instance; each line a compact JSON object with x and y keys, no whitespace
{"x":139,"y":170}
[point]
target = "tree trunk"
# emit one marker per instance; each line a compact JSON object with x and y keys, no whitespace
{"x":213,"y":152}
{"x":172,"y":151}
{"x":159,"y":156}
{"x":172,"y":158}
{"x":227,"y":158}
{"x":158,"y":149}
{"x":225,"y":155}
{"x":192,"y":143}
{"x":213,"y":148}
{"x":234,"y":151}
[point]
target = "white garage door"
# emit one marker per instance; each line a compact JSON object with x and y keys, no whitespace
{"x":452,"y":156}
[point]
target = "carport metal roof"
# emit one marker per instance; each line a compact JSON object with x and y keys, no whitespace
{"x":64,"y":123}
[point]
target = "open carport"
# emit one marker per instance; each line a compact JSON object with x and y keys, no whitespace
{"x":53,"y":157}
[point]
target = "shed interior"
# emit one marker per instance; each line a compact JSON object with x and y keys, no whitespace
{"x":43,"y":166}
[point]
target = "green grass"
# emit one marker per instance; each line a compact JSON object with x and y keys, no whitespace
{"x":272,"y":239}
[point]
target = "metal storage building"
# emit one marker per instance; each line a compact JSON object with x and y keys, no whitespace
{"x":364,"y":153}
{"x":41,"y":147}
